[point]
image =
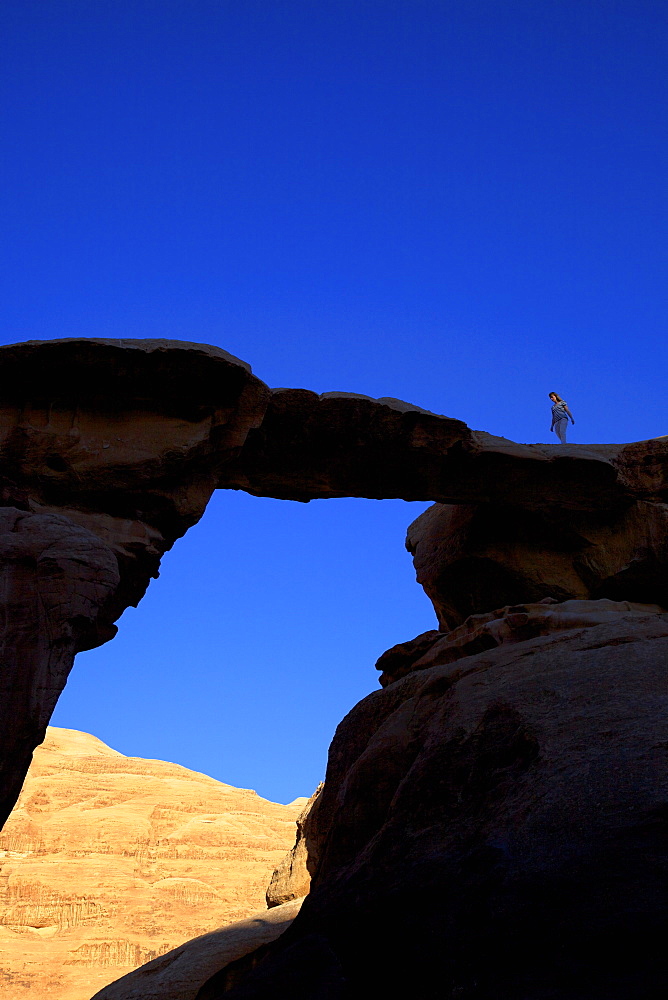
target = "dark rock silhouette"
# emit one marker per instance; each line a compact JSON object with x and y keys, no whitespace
{"x":341,"y":444}
{"x":56,"y":577}
{"x":494,"y":827}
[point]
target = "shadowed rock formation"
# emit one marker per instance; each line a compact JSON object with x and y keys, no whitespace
{"x":341,"y":444}
{"x":494,"y":827}
{"x":56,"y":577}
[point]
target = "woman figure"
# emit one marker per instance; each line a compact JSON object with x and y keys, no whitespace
{"x":560,"y":415}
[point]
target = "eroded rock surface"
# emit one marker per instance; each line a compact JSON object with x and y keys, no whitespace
{"x":341,"y":444}
{"x":108,"y":861}
{"x":494,"y":827}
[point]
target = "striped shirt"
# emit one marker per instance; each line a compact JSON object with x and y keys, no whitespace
{"x":559,"y":411}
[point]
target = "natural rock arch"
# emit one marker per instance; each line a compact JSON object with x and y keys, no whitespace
{"x":110,"y":450}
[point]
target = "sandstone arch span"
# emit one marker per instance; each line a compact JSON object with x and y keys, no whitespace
{"x":111,"y":449}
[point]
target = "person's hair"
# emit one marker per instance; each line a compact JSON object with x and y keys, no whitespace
{"x":559,"y":399}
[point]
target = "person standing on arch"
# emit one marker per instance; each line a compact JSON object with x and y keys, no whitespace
{"x":560,"y":415}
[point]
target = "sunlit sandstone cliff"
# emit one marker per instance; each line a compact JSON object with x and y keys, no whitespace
{"x":108,"y":861}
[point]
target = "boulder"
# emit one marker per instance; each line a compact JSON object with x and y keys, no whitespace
{"x":494,"y":827}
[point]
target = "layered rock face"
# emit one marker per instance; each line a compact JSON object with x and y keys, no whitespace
{"x":108,"y":861}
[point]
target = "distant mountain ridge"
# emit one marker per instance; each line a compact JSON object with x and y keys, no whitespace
{"x":108,"y":861}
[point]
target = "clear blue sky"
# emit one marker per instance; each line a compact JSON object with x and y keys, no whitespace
{"x":461,"y":203}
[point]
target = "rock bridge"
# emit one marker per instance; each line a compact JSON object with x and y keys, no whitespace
{"x":111,"y":449}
